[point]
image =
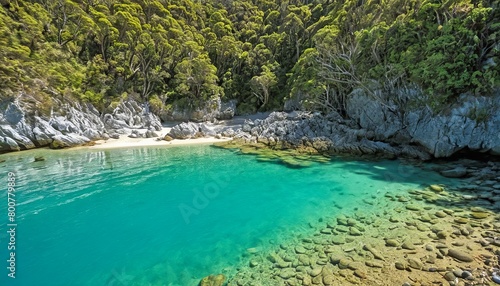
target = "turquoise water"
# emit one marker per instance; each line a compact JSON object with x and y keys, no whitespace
{"x":169,"y":215}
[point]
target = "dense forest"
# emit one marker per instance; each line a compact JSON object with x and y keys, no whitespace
{"x":260,"y":52}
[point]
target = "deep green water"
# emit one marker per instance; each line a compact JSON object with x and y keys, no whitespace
{"x":170,"y":215}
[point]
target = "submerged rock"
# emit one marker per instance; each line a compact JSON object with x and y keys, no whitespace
{"x":479,"y":215}
{"x":213,"y":280}
{"x":39,"y":159}
{"x":437,"y":188}
{"x":457,"y":172}
{"x":460,"y":255}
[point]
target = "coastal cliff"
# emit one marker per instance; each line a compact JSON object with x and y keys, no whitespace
{"x":69,"y":123}
{"x":472,"y":124}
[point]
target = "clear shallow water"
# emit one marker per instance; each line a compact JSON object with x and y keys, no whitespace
{"x":171,"y":215}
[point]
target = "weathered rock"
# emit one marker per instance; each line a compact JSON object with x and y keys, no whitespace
{"x":92,"y":134}
{"x":337,"y":240}
{"x":43,"y":132}
{"x":374,"y":251}
{"x":479,"y":215}
{"x":114,"y":124}
{"x":8,"y":144}
{"x":392,"y":243}
{"x":374,"y":264}
{"x":344,"y":263}
{"x":460,"y":255}
{"x":227,"y":110}
{"x":184,"y":130}
{"x":206,"y":129}
{"x":114,"y":135}
{"x":360,"y":273}
{"x":413,"y":207}
{"x":441,"y":134}
{"x":150,"y":134}
{"x":253,"y":263}
{"x":300,"y":249}
{"x":400,"y":265}
{"x":70,"y":123}
{"x":461,"y":220}
{"x":286,"y":273}
{"x":315,"y":271}
{"x":39,"y":159}
{"x":69,"y":140}
{"x":341,"y":228}
{"x":328,"y":279}
{"x":355,"y":231}
{"x":407,"y":245}
{"x":440,"y":214}
{"x":17,"y":134}
{"x":449,"y":276}
{"x":437,"y":188}
{"x":414,"y":263}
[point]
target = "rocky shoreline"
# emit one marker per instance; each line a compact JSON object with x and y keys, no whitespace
{"x":435,"y":235}
{"x":71,"y":124}
{"x":372,"y":128}
{"x":377,"y":127}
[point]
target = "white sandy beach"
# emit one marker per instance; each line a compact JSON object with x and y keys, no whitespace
{"x":125,"y":141}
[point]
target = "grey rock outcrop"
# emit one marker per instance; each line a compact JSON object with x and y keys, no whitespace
{"x":386,"y":125}
{"x":69,"y":124}
{"x":326,"y":134}
{"x":43,"y":132}
{"x":184,"y":130}
{"x":111,"y":123}
{"x":473,"y":124}
{"x":187,"y":130}
{"x":378,"y":124}
{"x":68,"y":140}
{"x":129,"y":114}
{"x":226,"y":110}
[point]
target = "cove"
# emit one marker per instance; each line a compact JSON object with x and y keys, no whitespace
{"x":171,"y":215}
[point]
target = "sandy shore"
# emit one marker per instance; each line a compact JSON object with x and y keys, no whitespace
{"x":125,"y":141}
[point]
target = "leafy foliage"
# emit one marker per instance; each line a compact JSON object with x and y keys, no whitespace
{"x":260,"y":52}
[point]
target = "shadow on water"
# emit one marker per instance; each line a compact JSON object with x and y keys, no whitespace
{"x":388,"y":171}
{"x":459,"y":193}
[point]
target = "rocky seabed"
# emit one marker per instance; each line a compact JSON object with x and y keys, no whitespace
{"x":435,"y":235}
